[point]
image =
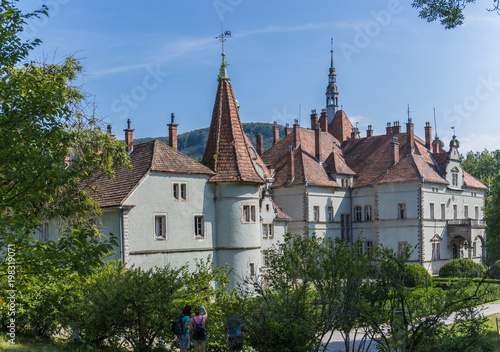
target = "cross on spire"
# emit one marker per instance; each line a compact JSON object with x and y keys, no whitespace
{"x":223,"y":37}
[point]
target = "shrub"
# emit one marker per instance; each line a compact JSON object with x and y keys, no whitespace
{"x":416,"y":276}
{"x":494,"y":271}
{"x":462,"y":268}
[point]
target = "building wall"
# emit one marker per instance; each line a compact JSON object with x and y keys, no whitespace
{"x":154,"y":196}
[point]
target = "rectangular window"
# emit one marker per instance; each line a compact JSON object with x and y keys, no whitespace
{"x":44,"y":236}
{"x":270,"y":230}
{"x":368,"y":245}
{"x":431,"y":210}
{"x":443,"y":211}
{"x":265,"y":258}
{"x":357,"y":213}
{"x":199,"y":226}
{"x":401,"y":247}
{"x":345,"y":227}
{"x":248,"y":213}
{"x":316,"y":213}
{"x":179,"y":191}
{"x":330,"y":214}
{"x":264,"y":230}
{"x":454,"y":179}
{"x":474,"y":249}
{"x":436,"y":251}
{"x":466,"y":211}
{"x":455,"y":211}
{"x":160,"y":227}
{"x":476,"y":212}
{"x":251,"y":269}
{"x":267,"y":207}
{"x":401,"y":211}
{"x":368,"y":213}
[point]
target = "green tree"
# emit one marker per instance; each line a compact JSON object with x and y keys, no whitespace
{"x":448,"y":12}
{"x":492,"y":217}
{"x":50,"y":147}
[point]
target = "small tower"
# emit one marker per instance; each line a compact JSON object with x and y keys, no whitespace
{"x":332,"y":92}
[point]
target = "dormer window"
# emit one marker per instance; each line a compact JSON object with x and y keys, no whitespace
{"x":454,"y":179}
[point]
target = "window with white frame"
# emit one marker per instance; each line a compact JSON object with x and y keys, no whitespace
{"x":345,"y":227}
{"x":199,"y":226}
{"x":316,"y":213}
{"x":401,"y":210}
{"x":466,"y":211}
{"x":331,"y":214}
{"x":251,"y":269}
{"x":368,"y":213}
{"x":248,"y":213}
{"x":179,"y":191}
{"x":357,"y":213}
{"x":267,"y":230}
{"x":401,"y":247}
{"x":265,"y":258}
{"x":431,"y":210}
{"x":454,"y":179}
{"x":160,"y":227}
{"x":443,"y":211}
{"x":436,"y":250}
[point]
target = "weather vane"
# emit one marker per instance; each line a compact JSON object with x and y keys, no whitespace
{"x":409,"y":119}
{"x":453,"y":128}
{"x":223,"y":37}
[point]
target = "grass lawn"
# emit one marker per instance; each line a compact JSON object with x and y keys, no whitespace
{"x":492,"y":330}
{"x":32,"y":345}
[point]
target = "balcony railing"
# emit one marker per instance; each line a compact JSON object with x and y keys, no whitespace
{"x":467,"y":222}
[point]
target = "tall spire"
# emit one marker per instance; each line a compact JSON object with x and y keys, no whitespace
{"x":332,"y":92}
{"x":223,"y":76}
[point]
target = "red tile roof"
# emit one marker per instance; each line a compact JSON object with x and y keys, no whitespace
{"x":340,"y":127}
{"x":228,"y":152}
{"x":306,"y":165}
{"x":151,"y":156}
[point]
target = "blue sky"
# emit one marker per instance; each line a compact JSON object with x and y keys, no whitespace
{"x":145,"y":61}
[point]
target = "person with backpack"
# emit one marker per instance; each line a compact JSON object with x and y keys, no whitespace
{"x":198,"y":327}
{"x":183,"y":332}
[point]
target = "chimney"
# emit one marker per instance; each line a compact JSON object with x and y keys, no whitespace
{"x":291,"y":162}
{"x":355,"y":133}
{"x":395,"y":150}
{"x":260,"y":144}
{"x":317,"y":142}
{"x":296,"y":132}
{"x":396,"y":128}
{"x":369,"y":131}
{"x":172,"y":133}
{"x":129,"y":138}
{"x":276,"y":133}
{"x":323,"y":120}
{"x":109,"y":129}
{"x":410,"y":137}
{"x":437,"y":146}
{"x":388,"y":129}
{"x":428,"y":136}
{"x":287,"y":129}
{"x":314,"y":119}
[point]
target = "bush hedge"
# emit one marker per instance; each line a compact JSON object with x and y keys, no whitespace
{"x":463,"y":267}
{"x":416,"y":276}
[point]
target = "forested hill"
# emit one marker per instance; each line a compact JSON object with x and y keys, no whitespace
{"x":193,"y":143}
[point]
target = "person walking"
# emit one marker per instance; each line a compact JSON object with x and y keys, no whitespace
{"x":198,"y":327}
{"x":184,"y":337}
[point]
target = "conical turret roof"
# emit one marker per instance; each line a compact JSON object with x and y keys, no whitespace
{"x":228,"y":152}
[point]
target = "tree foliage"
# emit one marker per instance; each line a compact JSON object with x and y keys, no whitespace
{"x":50,"y":146}
{"x":448,"y":12}
{"x":463,"y":267}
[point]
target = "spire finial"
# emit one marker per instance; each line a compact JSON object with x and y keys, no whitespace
{"x":409,"y":111}
{"x":331,"y":52}
{"x":128,"y":124}
{"x":223,"y":76}
{"x":223,"y":37}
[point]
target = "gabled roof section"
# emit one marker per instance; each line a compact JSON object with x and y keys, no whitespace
{"x":371,"y":159}
{"x":472,"y":182}
{"x":151,"y":156}
{"x":340,"y":127}
{"x":228,"y":152}
{"x":306,"y":166}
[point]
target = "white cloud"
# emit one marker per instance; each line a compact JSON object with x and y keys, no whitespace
{"x":480,"y":142}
